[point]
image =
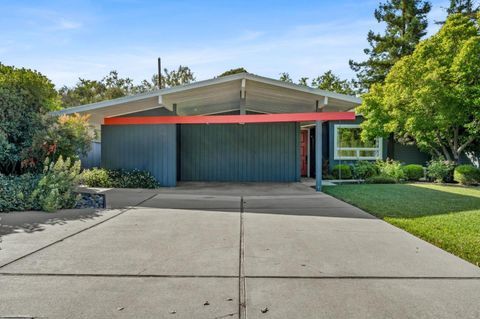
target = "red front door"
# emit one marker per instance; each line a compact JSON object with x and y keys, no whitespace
{"x":303,"y":152}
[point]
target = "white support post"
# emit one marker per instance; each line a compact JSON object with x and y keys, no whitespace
{"x":318,"y":156}
{"x":243,"y":97}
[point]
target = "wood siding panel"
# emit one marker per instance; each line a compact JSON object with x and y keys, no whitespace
{"x":267,"y":152}
{"x":143,"y":147}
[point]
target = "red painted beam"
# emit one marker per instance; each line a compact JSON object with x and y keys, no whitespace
{"x":231,"y":119}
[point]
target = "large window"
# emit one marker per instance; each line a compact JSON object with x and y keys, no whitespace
{"x":349,"y":146}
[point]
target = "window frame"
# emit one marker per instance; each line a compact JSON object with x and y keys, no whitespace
{"x":336,"y":149}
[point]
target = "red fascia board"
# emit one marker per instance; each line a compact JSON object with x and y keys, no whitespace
{"x":231,"y":119}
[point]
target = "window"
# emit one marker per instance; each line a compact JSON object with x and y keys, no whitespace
{"x":349,"y":146}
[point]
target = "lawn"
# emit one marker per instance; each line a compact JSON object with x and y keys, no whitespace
{"x":446,"y":216}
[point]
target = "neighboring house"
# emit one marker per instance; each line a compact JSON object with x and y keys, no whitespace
{"x":153,"y":132}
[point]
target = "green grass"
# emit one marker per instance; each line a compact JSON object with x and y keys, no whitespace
{"x":446,"y":216}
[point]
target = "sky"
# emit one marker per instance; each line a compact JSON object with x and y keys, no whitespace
{"x":67,"y":40}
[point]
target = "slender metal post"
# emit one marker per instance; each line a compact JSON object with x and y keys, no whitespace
{"x":159,"y":73}
{"x":318,"y":156}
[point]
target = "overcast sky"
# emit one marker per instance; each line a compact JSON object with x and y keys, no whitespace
{"x":66,"y":40}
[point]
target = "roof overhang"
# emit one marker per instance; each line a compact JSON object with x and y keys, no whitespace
{"x":223,"y":94}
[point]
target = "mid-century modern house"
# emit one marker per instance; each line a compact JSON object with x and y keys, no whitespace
{"x":237,"y":128}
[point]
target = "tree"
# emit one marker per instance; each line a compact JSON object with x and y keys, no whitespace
{"x":330,"y":82}
{"x":90,"y":91}
{"x":183,"y":75}
{"x":113,"y":86}
{"x":327,"y":81}
{"x":432,"y":97}
{"x":465,"y":7}
{"x":234,"y":71}
{"x":406,"y":24}
{"x":285,"y":77}
{"x":303,"y":81}
{"x":25,"y":98}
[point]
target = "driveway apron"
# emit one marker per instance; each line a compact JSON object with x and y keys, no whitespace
{"x":236,"y":253}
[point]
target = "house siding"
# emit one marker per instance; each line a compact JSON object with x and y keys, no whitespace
{"x":144,"y":147}
{"x":407,"y":154}
{"x":93,"y":157}
{"x":267,"y":152}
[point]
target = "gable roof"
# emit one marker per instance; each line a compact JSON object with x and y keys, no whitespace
{"x":219,"y":94}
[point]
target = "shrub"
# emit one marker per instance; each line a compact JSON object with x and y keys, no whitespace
{"x":413,"y":172}
{"x":135,"y":179}
{"x":16,"y":191}
{"x":68,"y":136}
{"x":96,"y":177}
{"x":364,"y":170}
{"x":466,"y":174}
{"x":391,"y":169}
{"x":120,"y":178}
{"x":342,"y":171}
{"x":440,"y":170}
{"x":381,"y":179}
{"x":55,"y":188}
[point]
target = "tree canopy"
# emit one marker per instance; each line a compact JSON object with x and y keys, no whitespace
{"x":432,"y":97}
{"x":113,"y":86}
{"x":25,"y":97}
{"x":234,"y":71}
{"x":328,"y":81}
{"x":465,"y":7}
{"x":406,"y":23}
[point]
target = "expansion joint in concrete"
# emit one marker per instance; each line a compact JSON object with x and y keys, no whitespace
{"x":242,"y":291}
{"x":75,"y":233}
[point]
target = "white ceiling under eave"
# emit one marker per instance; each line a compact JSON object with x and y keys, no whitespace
{"x":222,"y":95}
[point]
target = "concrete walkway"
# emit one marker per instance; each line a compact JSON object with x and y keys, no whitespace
{"x":228,"y":251}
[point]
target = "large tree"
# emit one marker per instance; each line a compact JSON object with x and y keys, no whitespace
{"x":25,"y":98}
{"x":465,"y":7}
{"x":406,"y":23}
{"x":432,"y":97}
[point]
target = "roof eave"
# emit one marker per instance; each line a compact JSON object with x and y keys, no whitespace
{"x":204,"y":83}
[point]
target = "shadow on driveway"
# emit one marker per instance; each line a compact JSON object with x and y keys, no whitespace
{"x":34,"y":221}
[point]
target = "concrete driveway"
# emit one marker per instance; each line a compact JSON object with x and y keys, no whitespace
{"x":226,"y":251}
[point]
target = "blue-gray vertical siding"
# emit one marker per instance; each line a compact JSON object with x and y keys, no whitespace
{"x":144,"y":147}
{"x":93,"y":157}
{"x":267,"y":152}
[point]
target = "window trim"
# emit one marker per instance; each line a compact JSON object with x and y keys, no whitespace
{"x":336,"y":149}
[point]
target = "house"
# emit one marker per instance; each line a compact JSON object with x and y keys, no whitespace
{"x":240,"y":127}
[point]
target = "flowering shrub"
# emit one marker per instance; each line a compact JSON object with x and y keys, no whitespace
{"x":55,"y":188}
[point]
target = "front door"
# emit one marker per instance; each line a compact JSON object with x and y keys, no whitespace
{"x":303,"y":152}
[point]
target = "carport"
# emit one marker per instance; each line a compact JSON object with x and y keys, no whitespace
{"x":232,"y":148}
{"x":238,"y":128}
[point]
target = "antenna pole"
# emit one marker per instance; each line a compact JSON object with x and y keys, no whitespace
{"x":159,"y":73}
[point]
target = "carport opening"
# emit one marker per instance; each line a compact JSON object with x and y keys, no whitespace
{"x":238,"y":148}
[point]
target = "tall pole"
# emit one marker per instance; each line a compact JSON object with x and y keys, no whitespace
{"x":159,"y":73}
